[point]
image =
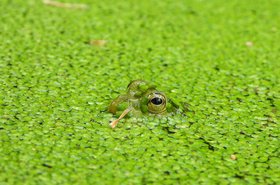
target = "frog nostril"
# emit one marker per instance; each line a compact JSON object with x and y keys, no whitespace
{"x":156,"y":101}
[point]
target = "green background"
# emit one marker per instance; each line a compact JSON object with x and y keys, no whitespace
{"x":220,"y":57}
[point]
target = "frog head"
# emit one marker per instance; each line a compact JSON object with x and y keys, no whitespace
{"x":141,"y":98}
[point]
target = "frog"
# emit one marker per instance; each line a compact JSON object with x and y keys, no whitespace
{"x":141,"y":98}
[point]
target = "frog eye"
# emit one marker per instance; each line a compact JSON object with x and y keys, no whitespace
{"x":157,"y":103}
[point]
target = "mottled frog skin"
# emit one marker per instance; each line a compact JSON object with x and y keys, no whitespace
{"x":142,"y":98}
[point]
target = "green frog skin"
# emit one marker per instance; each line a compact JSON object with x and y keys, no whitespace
{"x":141,"y":98}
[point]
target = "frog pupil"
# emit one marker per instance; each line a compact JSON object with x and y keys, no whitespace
{"x":156,"y":101}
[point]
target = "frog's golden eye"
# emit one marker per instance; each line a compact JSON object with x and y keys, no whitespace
{"x":157,"y":103}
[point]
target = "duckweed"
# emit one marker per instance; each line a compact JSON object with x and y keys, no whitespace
{"x":55,"y":89}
